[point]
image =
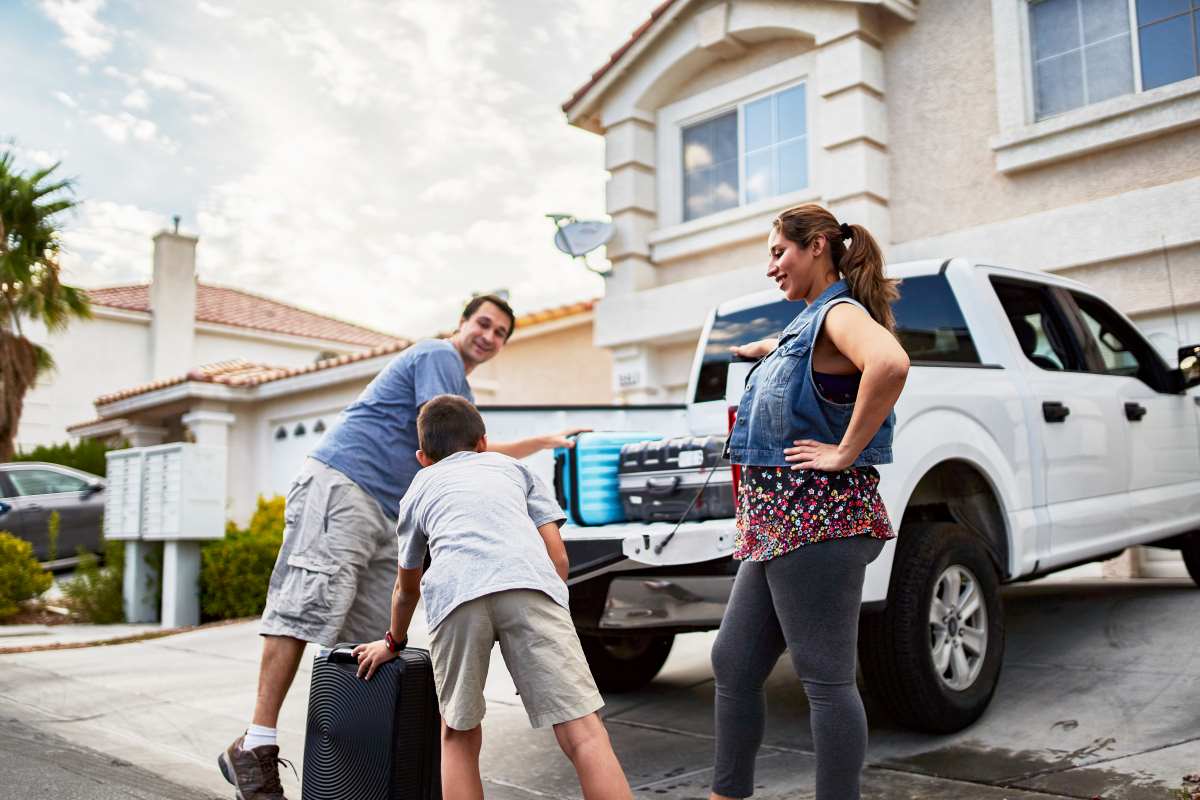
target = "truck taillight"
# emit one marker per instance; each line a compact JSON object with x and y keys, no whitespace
{"x":736,"y":468}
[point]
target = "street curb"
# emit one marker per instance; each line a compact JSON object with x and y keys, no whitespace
{"x":136,"y":637}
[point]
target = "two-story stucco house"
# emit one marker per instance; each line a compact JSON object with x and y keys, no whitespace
{"x":1055,"y":134}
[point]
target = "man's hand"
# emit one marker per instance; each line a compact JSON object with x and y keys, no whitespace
{"x":371,"y":656}
{"x":560,"y":439}
{"x":755,"y":350}
{"x":809,"y":454}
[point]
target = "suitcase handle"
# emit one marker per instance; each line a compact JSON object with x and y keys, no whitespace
{"x":342,"y":653}
{"x":662,"y":486}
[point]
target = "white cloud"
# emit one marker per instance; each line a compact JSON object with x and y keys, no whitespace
{"x":110,"y":243}
{"x":113,"y":72}
{"x":83,"y":32}
{"x":124,"y":127}
{"x":137,"y":100}
{"x":66,"y":99}
{"x":164,"y":80}
{"x":220,"y":12}
{"x":38,"y":158}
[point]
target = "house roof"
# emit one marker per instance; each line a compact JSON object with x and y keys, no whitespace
{"x":225,"y":306}
{"x":616,"y":55}
{"x":245,"y":374}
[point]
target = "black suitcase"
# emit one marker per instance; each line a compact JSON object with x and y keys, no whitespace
{"x":658,"y":480}
{"x":372,"y":739}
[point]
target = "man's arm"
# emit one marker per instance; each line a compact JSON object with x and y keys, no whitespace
{"x":555,"y":548}
{"x":527,"y":447}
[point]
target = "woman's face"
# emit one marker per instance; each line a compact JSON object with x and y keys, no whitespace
{"x":791,"y":266}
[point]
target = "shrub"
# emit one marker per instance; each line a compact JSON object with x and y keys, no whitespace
{"x":87,"y":455}
{"x":95,"y":592}
{"x":20,"y":576}
{"x":235,"y":571}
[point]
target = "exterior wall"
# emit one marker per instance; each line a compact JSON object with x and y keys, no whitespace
{"x":561,"y":367}
{"x":92,"y":357}
{"x":942,"y":116}
{"x":211,"y":347}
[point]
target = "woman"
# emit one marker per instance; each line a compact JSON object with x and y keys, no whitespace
{"x":814,"y":420}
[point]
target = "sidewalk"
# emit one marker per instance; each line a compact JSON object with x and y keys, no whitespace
{"x":1099,"y":696}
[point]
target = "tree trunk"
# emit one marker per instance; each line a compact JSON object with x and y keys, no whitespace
{"x":18,"y":371}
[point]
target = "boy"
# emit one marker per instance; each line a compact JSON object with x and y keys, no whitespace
{"x":498,"y":571}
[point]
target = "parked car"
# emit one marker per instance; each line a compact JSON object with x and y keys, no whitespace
{"x":31,"y":491}
{"x":1038,"y":430}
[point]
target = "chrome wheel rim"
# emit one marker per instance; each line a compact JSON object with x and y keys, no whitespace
{"x":958,"y":636}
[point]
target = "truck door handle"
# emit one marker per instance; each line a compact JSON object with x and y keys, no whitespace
{"x":1053,"y":411}
{"x":1134,"y":411}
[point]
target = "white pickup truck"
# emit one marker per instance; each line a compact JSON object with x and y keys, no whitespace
{"x":1038,"y":430}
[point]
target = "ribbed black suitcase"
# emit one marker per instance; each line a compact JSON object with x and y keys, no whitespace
{"x":658,"y":480}
{"x":377,"y":739}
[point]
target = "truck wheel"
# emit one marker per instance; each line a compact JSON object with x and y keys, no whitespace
{"x":624,"y":663}
{"x":1190,"y":550}
{"x":932,"y":657}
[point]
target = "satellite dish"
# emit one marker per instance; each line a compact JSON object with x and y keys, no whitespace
{"x":578,"y":237}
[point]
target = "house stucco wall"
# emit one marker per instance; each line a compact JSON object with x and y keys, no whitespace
{"x":942,"y":113}
{"x":211,"y":347}
{"x":560,"y":367}
{"x":92,"y":357}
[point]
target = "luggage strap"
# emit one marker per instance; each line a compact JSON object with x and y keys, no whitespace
{"x":658,"y":548}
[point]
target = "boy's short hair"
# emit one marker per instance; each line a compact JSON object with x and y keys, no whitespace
{"x":448,"y":424}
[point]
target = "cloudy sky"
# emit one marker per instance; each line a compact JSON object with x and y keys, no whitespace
{"x":374,"y":160}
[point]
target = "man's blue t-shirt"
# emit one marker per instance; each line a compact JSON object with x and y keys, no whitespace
{"x":375,"y":442}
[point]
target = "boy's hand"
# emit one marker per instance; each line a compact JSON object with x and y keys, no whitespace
{"x":371,"y":656}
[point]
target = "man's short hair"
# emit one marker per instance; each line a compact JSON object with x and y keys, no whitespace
{"x":448,"y":424}
{"x":498,"y":302}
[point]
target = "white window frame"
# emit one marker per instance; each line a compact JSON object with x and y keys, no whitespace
{"x":702,"y":232}
{"x":1023,"y":142}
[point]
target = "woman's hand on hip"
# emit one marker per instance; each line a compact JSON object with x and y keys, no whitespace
{"x":809,"y":454}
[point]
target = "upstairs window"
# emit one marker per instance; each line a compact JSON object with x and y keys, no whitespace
{"x":752,"y":152}
{"x":1083,"y":51}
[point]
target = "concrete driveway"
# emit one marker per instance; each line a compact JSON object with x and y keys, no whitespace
{"x":1099,"y":696}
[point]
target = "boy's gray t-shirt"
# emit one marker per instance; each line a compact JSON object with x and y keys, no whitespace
{"x":477,"y":515}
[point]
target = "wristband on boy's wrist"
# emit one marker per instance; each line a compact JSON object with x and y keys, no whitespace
{"x":392,"y":644}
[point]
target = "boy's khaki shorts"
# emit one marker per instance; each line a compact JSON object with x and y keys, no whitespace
{"x":540,"y":649}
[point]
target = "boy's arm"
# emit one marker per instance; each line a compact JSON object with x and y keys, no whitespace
{"x":405,"y":594}
{"x":555,"y":548}
{"x":522,"y":448}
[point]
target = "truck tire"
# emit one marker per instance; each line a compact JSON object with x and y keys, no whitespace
{"x":933,"y":663}
{"x":623,"y":663}
{"x":1190,"y":550}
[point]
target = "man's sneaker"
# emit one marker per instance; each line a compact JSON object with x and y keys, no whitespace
{"x":254,"y":773}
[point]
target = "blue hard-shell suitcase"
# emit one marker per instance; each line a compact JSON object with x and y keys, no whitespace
{"x":372,"y":739}
{"x":585,"y":476}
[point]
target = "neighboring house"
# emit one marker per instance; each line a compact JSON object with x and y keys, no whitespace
{"x":147,"y":332}
{"x":1061,"y":135}
{"x":270,"y":417}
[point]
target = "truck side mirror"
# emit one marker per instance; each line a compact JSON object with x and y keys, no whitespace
{"x":1189,"y":365}
{"x":93,"y":488}
{"x":4,"y":508}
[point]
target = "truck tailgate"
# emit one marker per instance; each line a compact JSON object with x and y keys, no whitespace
{"x":593,"y":549}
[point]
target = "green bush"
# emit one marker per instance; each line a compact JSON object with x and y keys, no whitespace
{"x":87,"y":455}
{"x":20,"y":576}
{"x":235,"y":571}
{"x":95,"y":592}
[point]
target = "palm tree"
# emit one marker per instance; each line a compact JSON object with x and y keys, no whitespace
{"x":29,"y":284}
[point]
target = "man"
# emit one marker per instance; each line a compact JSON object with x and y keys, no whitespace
{"x":333,"y":577}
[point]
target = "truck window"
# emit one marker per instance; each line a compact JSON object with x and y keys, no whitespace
{"x":929,"y":323}
{"x":1111,"y":346}
{"x":1036,"y":319}
{"x":738,"y":327}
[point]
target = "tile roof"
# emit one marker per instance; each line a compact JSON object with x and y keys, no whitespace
{"x":616,"y":56}
{"x":226,"y":306}
{"x":240,"y":373}
{"x":244,"y":374}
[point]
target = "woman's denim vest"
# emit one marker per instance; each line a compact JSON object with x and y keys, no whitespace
{"x":781,"y":402}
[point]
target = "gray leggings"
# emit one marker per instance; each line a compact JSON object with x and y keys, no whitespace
{"x":806,"y":601}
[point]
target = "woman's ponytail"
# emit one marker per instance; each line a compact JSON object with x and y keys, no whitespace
{"x":860,"y":263}
{"x":862,"y":266}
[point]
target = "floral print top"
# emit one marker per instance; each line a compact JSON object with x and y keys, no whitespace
{"x":780,"y":509}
